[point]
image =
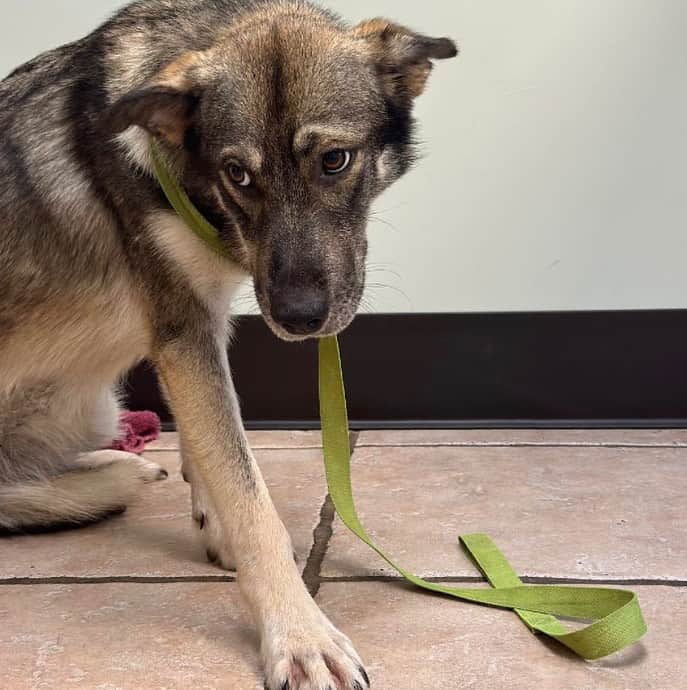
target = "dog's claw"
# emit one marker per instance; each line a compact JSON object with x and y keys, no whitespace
{"x":211,"y":555}
{"x":366,"y":678}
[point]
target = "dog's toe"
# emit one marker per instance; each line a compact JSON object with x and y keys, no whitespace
{"x":216,"y":551}
{"x":210,"y":532}
{"x":134,"y":466}
{"x":321,"y":659}
{"x":151,"y":471}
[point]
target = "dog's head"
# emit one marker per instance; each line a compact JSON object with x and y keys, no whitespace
{"x":286,"y":130}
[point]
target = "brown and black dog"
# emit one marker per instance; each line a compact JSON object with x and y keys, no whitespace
{"x":282,"y":124}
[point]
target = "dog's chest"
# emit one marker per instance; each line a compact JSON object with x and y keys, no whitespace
{"x":212,"y":279}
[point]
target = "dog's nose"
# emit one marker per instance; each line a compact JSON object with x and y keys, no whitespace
{"x":300,"y":311}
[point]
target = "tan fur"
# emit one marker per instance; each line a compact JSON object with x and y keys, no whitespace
{"x":171,"y":123}
{"x":292,"y":625}
{"x":60,"y":334}
{"x":212,"y":278}
{"x":103,"y":481}
{"x":373,"y":28}
{"x":176,"y":74}
{"x":387,"y":42}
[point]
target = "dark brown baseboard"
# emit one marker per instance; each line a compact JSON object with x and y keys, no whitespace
{"x":539,"y":369}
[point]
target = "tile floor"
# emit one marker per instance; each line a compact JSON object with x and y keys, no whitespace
{"x":132,"y":604}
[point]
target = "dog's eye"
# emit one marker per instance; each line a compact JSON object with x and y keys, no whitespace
{"x":336,"y":161}
{"x":238,"y":175}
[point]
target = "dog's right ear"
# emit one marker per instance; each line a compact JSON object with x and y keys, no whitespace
{"x":402,"y":57}
{"x":165,"y":106}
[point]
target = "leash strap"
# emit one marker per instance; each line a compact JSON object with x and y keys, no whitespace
{"x":180,"y":202}
{"x":617,"y":618}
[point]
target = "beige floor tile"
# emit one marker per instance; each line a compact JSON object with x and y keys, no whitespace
{"x":562,"y":512}
{"x":155,"y":537}
{"x":169,"y":440}
{"x":197,"y":635}
{"x":126,"y":637}
{"x":414,"y":641}
{"x":506,"y":437}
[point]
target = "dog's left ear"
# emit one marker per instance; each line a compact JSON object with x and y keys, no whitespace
{"x":402,"y":57}
{"x":165,"y":106}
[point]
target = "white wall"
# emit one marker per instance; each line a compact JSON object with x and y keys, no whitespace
{"x":556,"y":152}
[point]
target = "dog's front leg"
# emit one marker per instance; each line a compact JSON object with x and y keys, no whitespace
{"x":301,"y":649}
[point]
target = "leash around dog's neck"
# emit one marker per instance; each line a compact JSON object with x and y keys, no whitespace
{"x":617,"y":617}
{"x":180,"y":202}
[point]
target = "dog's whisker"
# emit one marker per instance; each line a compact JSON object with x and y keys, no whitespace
{"x":383,"y":221}
{"x":391,"y":271}
{"x":367,"y":304}
{"x":389,"y":209}
{"x":384,"y":286}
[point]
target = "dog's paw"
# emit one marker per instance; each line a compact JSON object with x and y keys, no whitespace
{"x":219,"y":555}
{"x":209,"y":530}
{"x":149,"y":471}
{"x":133,"y":465}
{"x":316,"y":657}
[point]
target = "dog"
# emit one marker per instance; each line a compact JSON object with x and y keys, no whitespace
{"x":282,"y":124}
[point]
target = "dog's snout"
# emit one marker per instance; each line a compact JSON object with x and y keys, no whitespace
{"x":300,"y":310}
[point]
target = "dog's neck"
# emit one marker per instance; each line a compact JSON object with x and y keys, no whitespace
{"x":182,"y":204}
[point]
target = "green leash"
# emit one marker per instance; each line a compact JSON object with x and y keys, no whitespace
{"x":616,"y":614}
{"x":180,"y":202}
{"x":617,"y":617}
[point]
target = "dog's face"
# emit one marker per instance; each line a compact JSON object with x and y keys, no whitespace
{"x":285,"y":133}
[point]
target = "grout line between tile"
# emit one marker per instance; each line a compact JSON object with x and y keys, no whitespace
{"x":522,"y":444}
{"x":322,"y":579}
{"x":469,"y":444}
{"x":148,"y":451}
{"x":530,"y":580}
{"x":114,"y":579}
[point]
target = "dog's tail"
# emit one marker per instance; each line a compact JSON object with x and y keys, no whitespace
{"x":83,"y":495}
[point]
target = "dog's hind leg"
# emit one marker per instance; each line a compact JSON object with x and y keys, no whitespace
{"x":51,"y":474}
{"x":99,"y":484}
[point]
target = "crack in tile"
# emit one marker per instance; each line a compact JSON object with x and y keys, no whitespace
{"x":322,"y":535}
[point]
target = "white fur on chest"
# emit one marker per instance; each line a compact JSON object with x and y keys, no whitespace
{"x":213,"y":279}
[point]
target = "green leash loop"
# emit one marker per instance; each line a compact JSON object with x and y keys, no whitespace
{"x":617,"y":618}
{"x":616,"y":614}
